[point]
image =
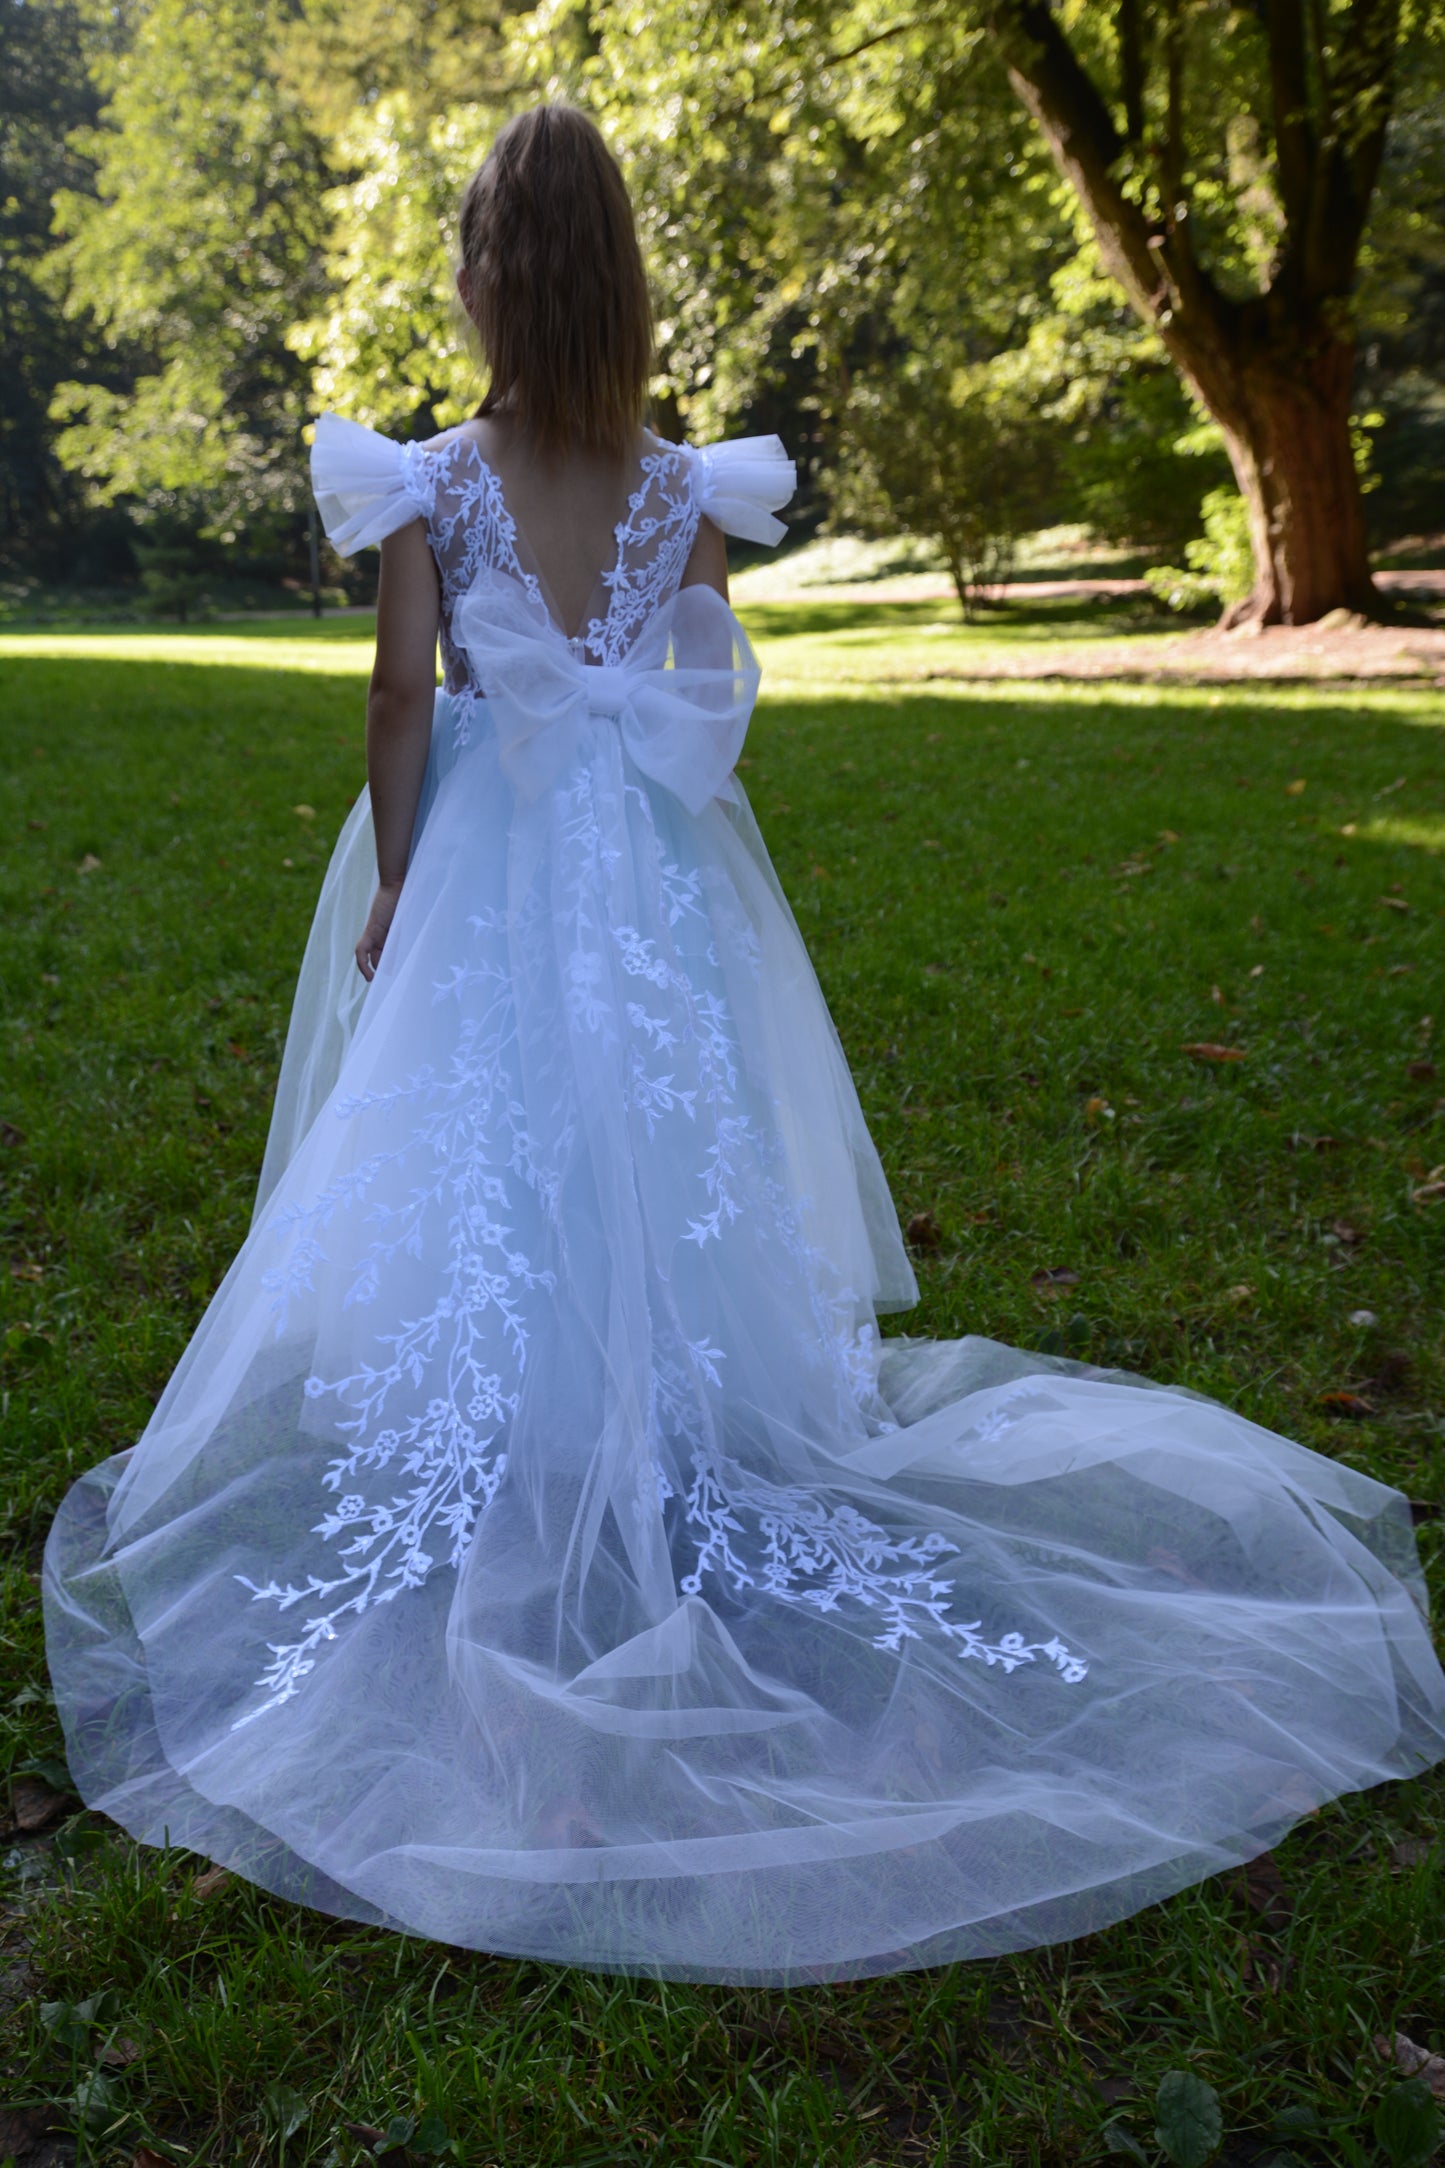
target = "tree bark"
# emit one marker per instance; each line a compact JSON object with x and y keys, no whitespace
{"x":1283,"y":407}
{"x":1273,"y":371}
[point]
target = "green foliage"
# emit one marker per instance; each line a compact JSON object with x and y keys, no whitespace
{"x":1408,"y":2125}
{"x":45,"y":94}
{"x":1220,"y":562}
{"x":197,"y":249}
{"x":1190,"y":2125}
{"x":392,"y":345}
{"x":964,"y":463}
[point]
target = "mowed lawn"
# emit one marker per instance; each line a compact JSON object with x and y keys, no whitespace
{"x":1027,"y":904}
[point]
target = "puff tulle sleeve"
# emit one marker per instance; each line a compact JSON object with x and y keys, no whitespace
{"x":365,"y":485}
{"x":743,"y":482}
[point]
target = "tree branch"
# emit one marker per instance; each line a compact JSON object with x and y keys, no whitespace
{"x":1296,"y":141}
{"x":1362,"y":95}
{"x":1158,"y":271}
{"x":1128,"y":30}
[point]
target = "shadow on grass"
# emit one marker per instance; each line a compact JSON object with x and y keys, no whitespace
{"x":1048,"y":617}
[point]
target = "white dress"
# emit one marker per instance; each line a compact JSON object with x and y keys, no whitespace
{"x":537,"y":1547}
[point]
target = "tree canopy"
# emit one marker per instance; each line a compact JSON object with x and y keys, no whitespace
{"x":1068,"y":245}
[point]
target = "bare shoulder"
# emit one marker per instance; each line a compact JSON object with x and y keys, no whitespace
{"x":479,"y":431}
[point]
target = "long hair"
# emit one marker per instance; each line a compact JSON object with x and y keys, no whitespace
{"x":557,"y":289}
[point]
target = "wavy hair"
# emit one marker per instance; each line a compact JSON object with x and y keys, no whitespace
{"x":556,"y":286}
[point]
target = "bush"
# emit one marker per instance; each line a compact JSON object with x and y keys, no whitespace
{"x":1220,"y":562}
{"x":955,"y":457}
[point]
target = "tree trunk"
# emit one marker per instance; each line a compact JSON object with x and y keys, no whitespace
{"x":1273,"y":371}
{"x":1285,"y":417}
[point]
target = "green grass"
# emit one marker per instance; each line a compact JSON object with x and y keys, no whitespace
{"x":1016,"y":953}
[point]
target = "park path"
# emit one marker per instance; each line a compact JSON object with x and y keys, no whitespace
{"x":1277,"y":653}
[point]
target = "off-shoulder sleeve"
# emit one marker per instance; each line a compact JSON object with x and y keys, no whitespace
{"x":365,"y":485}
{"x":742,"y":482}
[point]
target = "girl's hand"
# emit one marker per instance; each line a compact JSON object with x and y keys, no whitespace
{"x":378,"y":925}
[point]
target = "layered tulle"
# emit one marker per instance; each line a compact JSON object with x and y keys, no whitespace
{"x":537,"y":1548}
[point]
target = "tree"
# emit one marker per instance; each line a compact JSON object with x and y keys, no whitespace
{"x":198,"y":248}
{"x":45,"y":95}
{"x":1236,"y":235}
{"x":1224,"y":158}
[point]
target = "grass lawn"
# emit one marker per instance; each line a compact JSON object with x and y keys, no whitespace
{"x":1025,"y":905}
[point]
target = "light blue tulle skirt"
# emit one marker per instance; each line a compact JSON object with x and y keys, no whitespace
{"x":537,"y":1547}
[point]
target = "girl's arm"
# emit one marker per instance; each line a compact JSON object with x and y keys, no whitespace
{"x":707,"y":564}
{"x":399,"y":707}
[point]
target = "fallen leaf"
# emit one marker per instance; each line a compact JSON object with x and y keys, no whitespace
{"x":1167,"y":835}
{"x":1051,"y":1277}
{"x":27,"y":1272}
{"x":1097,"y":1110}
{"x":923,"y":1231}
{"x":1420,"y":1072}
{"x":89,"y":864}
{"x":1428,"y":1193}
{"x":304,"y":812}
{"x":1206,"y":1050}
{"x":1409,"y":1852}
{"x":21,"y":2129}
{"x":1350,"y":828}
{"x":1295,"y":789}
{"x":1261,"y":1967}
{"x":211,"y":1882}
{"x":35,"y":1804}
{"x":1393,"y":903}
{"x":1346,"y":1233}
{"x":1242,"y":1293}
{"x":1391,"y":788}
{"x":1259,"y":1884}
{"x":1413,"y":2061}
{"x":146,"y":2157}
{"x":1256,"y":971}
{"x":1392,"y":1372}
{"x":10,"y":1136}
{"x":120,"y":2051}
{"x":1352,"y":1407}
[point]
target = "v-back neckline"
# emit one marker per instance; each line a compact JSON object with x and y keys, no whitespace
{"x":519,"y":542}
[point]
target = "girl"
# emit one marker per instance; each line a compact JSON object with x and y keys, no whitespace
{"x":537,"y":1546}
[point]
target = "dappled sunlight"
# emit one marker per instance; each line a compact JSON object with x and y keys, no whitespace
{"x":1423,"y":835}
{"x":343,"y":652}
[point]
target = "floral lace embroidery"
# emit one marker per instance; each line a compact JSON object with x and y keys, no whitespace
{"x":654,"y":543}
{"x":471,"y":529}
{"x":788,"y":1543}
{"x":423,"y":1421}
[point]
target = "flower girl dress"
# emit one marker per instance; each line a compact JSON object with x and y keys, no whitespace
{"x":537,"y":1547}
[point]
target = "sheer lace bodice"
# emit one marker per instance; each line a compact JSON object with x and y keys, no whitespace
{"x":471,"y":528}
{"x":367,"y":486}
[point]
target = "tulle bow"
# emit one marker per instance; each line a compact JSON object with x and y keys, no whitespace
{"x":680,"y":701}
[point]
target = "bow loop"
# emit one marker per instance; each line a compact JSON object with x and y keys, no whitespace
{"x":681,"y":700}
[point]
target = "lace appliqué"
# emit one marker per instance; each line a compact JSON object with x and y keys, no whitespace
{"x":654,"y":543}
{"x":472,"y":530}
{"x":789,"y":1544}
